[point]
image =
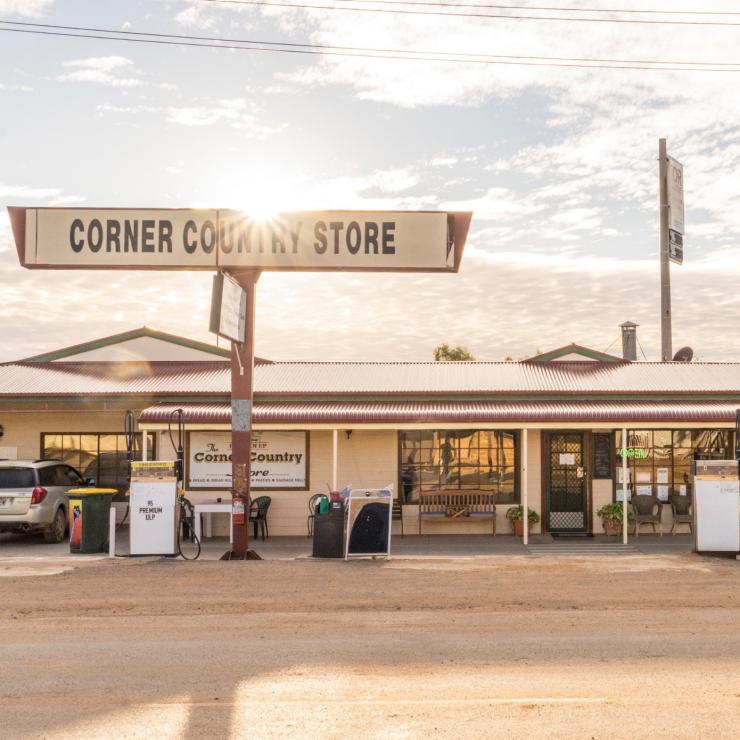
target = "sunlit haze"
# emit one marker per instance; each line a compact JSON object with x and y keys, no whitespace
{"x":558,"y":164}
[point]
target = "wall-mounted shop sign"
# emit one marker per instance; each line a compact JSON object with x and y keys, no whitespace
{"x":279,"y":460}
{"x":198,"y":239}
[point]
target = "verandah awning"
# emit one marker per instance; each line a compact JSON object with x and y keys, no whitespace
{"x":369,"y":412}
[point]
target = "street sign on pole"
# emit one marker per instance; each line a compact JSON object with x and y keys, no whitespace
{"x":675,"y":247}
{"x":228,"y":308}
{"x":675,"y":196}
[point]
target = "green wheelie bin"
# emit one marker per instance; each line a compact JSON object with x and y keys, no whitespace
{"x":88,"y":518}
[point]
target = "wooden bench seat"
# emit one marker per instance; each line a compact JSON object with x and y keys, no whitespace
{"x":457,"y":506}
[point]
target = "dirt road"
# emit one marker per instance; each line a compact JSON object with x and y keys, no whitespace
{"x":645,"y":646}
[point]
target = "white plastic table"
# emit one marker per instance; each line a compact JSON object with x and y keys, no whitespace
{"x":209,"y":508}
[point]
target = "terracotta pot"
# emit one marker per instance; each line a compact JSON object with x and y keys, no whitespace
{"x":612,"y":526}
{"x":519,"y":527}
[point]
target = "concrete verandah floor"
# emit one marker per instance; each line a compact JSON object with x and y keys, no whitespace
{"x":464,"y":546}
{"x":410,"y":546}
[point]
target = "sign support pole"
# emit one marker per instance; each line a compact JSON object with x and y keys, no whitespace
{"x":525,"y":487}
{"x":625,"y":514}
{"x":242,"y":372}
{"x":666,"y":339}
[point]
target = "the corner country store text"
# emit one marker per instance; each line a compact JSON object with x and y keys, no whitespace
{"x":238,"y":236}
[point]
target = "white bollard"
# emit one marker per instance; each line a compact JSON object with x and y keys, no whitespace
{"x":112,"y":532}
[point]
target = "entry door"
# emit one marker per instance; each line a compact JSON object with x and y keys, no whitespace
{"x":566,"y":484}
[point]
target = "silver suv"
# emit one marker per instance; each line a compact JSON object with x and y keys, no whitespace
{"x":32,"y":496}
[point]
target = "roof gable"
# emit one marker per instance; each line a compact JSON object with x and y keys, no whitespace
{"x":143,"y":344}
{"x":574,"y":353}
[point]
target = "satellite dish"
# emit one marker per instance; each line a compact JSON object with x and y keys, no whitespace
{"x":685,"y":354}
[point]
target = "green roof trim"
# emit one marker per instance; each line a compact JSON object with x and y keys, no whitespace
{"x":575,"y":349}
{"x":127,"y":336}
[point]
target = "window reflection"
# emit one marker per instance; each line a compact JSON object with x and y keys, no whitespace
{"x":659,"y":460}
{"x":436,"y":460}
{"x":101,"y":457}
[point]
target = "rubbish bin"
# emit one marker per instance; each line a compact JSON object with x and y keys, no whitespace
{"x":88,"y":518}
{"x":328,"y":534}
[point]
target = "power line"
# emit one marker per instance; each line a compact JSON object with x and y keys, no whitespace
{"x":547,"y":8}
{"x":217,"y":42}
{"x":355,"y":52}
{"x":496,"y":16}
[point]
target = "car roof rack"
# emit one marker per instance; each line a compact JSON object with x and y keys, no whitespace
{"x":48,"y":459}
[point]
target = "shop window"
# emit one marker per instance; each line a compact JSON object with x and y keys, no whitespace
{"x":444,"y":460}
{"x":101,"y":457}
{"x":659,"y":460}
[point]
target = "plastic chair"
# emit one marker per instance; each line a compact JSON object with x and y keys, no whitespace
{"x":646,"y":510}
{"x":258,"y":515}
{"x":681,"y":510}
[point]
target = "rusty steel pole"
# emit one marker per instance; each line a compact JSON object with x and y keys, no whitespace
{"x":242,"y":372}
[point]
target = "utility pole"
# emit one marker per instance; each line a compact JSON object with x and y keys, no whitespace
{"x":666,"y":338}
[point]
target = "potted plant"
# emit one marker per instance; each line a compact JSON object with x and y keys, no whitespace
{"x":516,"y":516}
{"x":611,"y":517}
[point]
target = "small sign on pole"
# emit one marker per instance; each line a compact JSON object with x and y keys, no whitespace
{"x":675,"y":196}
{"x":675,"y":247}
{"x":228,"y":308}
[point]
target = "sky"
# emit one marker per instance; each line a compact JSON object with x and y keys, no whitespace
{"x":557,"y":163}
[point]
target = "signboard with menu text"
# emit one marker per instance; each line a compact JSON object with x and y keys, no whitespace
{"x":279,"y":460}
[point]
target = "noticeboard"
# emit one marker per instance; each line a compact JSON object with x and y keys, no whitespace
{"x":602,"y":453}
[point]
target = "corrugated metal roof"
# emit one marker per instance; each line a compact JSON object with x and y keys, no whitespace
{"x":371,"y":378}
{"x":267,"y":412}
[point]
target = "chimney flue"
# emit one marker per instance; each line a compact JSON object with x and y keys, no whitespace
{"x":629,"y":340}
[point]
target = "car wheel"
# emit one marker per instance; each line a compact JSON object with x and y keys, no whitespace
{"x":55,"y":533}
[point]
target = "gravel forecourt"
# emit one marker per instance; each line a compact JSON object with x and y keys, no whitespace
{"x":506,"y":646}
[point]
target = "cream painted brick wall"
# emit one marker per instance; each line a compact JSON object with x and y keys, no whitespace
{"x":23,"y":430}
{"x":602,"y":494}
{"x":366,"y":460}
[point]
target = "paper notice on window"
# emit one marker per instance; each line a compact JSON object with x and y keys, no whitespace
{"x":682,"y":490}
{"x":620,"y":495}
{"x":644,"y":490}
{"x":661,"y":475}
{"x":567,"y":458}
{"x":663,"y":493}
{"x":620,"y":477}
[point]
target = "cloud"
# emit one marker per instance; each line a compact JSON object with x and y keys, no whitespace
{"x":8,"y":192}
{"x":27,"y":8}
{"x":100,"y":70}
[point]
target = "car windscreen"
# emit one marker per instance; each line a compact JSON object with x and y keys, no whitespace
{"x":16,"y":478}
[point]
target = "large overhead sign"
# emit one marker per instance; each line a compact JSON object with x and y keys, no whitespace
{"x":198,"y":239}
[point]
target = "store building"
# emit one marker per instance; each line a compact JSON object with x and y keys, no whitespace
{"x":552,"y":423}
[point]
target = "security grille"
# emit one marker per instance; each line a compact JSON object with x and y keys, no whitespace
{"x":566,"y":490}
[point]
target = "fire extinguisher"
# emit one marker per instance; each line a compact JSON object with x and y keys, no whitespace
{"x":238,"y":509}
